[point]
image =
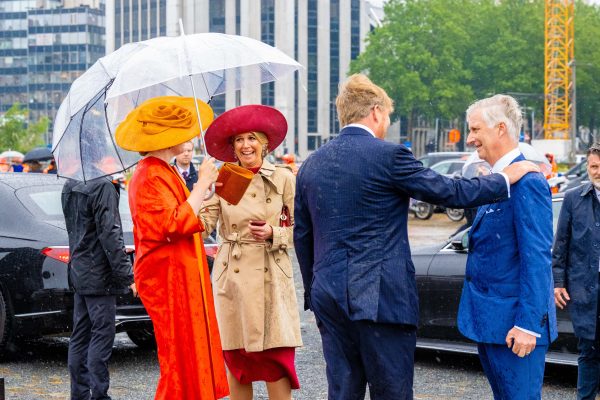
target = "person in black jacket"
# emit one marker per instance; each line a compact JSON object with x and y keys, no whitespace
{"x":99,"y":269}
{"x":183,"y":163}
{"x":576,"y":266}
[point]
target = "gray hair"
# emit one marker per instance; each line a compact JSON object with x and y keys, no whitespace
{"x":500,"y":108}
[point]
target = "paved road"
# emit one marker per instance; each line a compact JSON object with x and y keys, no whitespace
{"x":38,"y":369}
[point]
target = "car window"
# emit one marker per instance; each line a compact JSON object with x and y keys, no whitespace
{"x":556,"y":205}
{"x":441,"y":168}
{"x":456,"y":167}
{"x":426,"y":161}
{"x":44,"y":201}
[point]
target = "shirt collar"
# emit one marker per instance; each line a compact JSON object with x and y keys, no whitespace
{"x":366,"y":128}
{"x":181,"y":169}
{"x":505,"y":160}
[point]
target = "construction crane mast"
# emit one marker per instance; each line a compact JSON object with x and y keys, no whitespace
{"x":559,"y":58}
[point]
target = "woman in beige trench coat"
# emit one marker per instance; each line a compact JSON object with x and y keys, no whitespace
{"x":253,"y":282}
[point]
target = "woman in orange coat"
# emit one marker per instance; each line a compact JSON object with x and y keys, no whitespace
{"x":170,"y":269}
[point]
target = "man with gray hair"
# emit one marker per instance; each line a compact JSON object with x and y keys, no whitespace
{"x":507,"y":304}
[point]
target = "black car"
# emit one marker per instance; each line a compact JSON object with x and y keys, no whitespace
{"x":433,"y":158}
{"x":440,"y":274}
{"x":35,"y":298}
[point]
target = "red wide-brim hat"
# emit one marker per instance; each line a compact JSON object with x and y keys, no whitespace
{"x":244,"y":119}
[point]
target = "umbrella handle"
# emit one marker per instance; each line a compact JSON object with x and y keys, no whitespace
{"x":210,"y":192}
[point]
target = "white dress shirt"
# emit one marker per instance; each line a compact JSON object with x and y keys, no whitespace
{"x":366,"y":128}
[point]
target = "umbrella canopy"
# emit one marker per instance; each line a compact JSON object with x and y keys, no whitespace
{"x":38,"y":154}
{"x":12,"y":155}
{"x":200,"y":65}
{"x":474,"y":165}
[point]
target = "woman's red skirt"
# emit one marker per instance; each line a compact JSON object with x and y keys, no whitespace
{"x":269,"y":365}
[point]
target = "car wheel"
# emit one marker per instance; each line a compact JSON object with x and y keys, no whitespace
{"x":143,"y":338}
{"x":5,"y":325}
{"x":455,"y":214}
{"x":423,"y":210}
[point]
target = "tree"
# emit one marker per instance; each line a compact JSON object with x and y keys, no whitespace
{"x":435,"y":57}
{"x":17,"y":134}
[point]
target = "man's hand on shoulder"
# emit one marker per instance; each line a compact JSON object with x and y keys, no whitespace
{"x":561,"y":297}
{"x":517,"y":170}
{"x":522,"y":343}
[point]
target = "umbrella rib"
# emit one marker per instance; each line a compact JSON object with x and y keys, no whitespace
{"x":112,"y":139}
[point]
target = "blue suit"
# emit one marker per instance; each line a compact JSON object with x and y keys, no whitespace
{"x":508,"y":283}
{"x":351,"y":241}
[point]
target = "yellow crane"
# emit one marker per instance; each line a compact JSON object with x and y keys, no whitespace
{"x":558,"y":58}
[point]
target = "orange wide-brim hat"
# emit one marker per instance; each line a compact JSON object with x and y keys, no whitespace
{"x":162,"y":122}
{"x":244,"y":119}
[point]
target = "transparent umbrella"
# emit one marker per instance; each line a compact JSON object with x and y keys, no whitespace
{"x":200,"y":65}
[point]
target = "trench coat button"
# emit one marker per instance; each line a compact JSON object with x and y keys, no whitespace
{"x":234,"y":226}
{"x":228,"y":204}
{"x":277,"y":260}
{"x":268,"y":199}
{"x":236,"y":270}
{"x":224,"y":263}
{"x":253,"y":194}
{"x":266,"y":269}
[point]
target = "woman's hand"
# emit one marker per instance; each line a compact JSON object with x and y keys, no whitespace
{"x":207,"y":175}
{"x":262,"y":232}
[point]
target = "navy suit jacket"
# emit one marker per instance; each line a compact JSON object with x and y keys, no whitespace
{"x":575,"y":257}
{"x":351,"y":211}
{"x":508,"y":281}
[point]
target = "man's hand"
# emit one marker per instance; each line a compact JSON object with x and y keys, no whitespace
{"x":522,"y":343}
{"x":133,"y":290}
{"x":517,"y":170}
{"x":561,"y":297}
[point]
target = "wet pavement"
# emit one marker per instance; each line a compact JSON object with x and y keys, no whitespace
{"x":38,"y":370}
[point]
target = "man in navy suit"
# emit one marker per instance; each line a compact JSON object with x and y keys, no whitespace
{"x":507,"y":304}
{"x":351,"y":241}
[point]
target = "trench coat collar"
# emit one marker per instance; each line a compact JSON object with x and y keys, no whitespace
{"x":588,"y":187}
{"x":266,"y":168}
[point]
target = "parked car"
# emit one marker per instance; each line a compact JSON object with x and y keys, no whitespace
{"x":440,"y":274}
{"x":576,"y":176}
{"x":433,"y":158}
{"x":35,"y":297}
{"x":450,"y":168}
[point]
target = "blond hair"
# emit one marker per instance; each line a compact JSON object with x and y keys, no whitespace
{"x":357,"y":97}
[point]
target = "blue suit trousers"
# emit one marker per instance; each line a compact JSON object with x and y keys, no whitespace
{"x":358,"y":353}
{"x":512,"y":377}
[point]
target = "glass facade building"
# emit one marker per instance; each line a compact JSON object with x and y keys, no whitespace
{"x":323,"y":36}
{"x":43,"y":49}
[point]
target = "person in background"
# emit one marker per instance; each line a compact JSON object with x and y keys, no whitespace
{"x":183,"y":163}
{"x":171,"y":271}
{"x":51,"y":168}
{"x":290,"y":160}
{"x":253,"y":279}
{"x":99,"y":270}
{"x":5,"y":166}
{"x":507,"y":305}
{"x":576,"y":269}
{"x":352,"y":198}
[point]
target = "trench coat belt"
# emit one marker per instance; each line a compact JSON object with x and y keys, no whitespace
{"x":236,"y":240}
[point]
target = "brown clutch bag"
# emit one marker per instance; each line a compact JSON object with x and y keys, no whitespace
{"x":235,"y":180}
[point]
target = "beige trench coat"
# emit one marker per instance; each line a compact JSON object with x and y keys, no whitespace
{"x":253,"y":282}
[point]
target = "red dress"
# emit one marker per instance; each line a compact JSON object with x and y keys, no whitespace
{"x":172,"y":278}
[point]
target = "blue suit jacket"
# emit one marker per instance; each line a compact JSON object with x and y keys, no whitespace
{"x":508,"y":281}
{"x":350,"y":230}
